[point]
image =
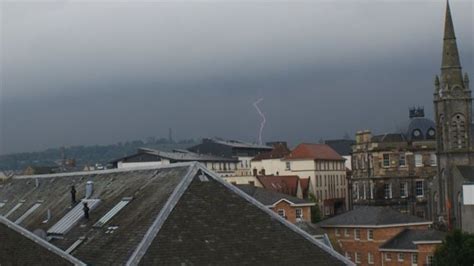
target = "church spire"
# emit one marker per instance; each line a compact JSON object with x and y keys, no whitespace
{"x":451,"y":65}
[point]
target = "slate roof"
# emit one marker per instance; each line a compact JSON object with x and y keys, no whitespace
{"x":371,"y":216}
{"x":341,"y":146}
{"x":268,"y":197}
{"x":280,"y":150}
{"x":21,"y":247}
{"x":286,"y":184}
{"x":467,"y":172}
{"x":406,"y":239}
{"x":178,"y":214}
{"x":314,"y":152}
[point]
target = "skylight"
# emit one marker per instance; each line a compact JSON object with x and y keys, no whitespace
{"x":75,"y":245}
{"x":28,"y":212}
{"x":72,"y":217}
{"x":109,"y":215}
{"x":14,"y":209}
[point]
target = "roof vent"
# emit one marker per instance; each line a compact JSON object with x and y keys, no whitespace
{"x":89,"y":189}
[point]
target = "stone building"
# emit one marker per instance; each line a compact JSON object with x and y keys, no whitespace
{"x":453,"y":115}
{"x":394,"y":169}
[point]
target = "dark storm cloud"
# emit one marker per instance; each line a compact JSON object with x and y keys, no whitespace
{"x":84,"y":72}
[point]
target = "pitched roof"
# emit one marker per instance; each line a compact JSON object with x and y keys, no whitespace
{"x":268,"y":197}
{"x":287,"y":184}
{"x":389,"y":137}
{"x":406,"y":239}
{"x":280,"y":150}
{"x":21,"y":247}
{"x":304,"y":183}
{"x":467,"y":172}
{"x":180,"y":213}
{"x":371,"y":216}
{"x":238,"y":143}
{"x":341,"y":146}
{"x":314,"y":152}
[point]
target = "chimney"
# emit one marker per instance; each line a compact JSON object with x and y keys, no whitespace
{"x":89,"y":189}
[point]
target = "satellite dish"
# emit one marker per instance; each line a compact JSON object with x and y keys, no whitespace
{"x":41,"y":234}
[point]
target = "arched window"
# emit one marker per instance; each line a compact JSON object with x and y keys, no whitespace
{"x":458,"y":131}
{"x":440,"y":131}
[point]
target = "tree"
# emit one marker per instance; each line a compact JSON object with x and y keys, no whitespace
{"x":315,"y":212}
{"x":457,"y":249}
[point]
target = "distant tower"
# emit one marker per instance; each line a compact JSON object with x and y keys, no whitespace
{"x":452,"y":106}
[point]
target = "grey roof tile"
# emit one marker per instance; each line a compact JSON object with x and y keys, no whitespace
{"x":406,"y":239}
{"x":371,"y":216}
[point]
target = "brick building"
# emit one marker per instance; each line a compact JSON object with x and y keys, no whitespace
{"x":291,"y":208}
{"x":411,"y":247}
{"x":361,"y":233}
{"x":395,"y":169}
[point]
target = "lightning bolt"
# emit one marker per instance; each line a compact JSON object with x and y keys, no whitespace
{"x":262,"y":124}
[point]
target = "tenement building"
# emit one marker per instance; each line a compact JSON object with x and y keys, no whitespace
{"x":394,"y":169}
{"x":453,"y":189}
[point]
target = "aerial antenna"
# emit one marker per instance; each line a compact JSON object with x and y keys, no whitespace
{"x":262,"y":124}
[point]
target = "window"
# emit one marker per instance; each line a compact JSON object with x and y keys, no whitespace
{"x":403,"y":189}
{"x":386,"y":160}
{"x":346,"y":232}
{"x":388,"y":256}
{"x":401,"y":257}
{"x":418,"y":160}
{"x":357,"y":257}
{"x":357,"y":234}
{"x":281,"y":212}
{"x":348,"y":255}
{"x":370,"y":258}
{"x":387,"y":188}
{"x":402,"y":159}
{"x":337,"y":232}
{"x":288,"y":166}
{"x":429,"y":260}
{"x":370,"y":234}
{"x":299,"y":213}
{"x":414,"y":259}
{"x":419,"y":188}
{"x":433,"y":161}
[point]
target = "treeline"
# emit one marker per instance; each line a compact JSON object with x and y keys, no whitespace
{"x":88,"y":155}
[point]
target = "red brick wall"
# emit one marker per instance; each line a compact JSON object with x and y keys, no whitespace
{"x":363,"y":246}
{"x":290,"y":211}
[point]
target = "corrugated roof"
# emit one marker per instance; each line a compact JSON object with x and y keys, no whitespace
{"x":175,"y":217}
{"x":314,"y":152}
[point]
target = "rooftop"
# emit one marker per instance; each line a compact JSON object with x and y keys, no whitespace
{"x":269,"y":197}
{"x":314,"y":152}
{"x":176,"y":214}
{"x":371,"y":216}
{"x":280,"y":150}
{"x":237,"y":143}
{"x":407,"y":239}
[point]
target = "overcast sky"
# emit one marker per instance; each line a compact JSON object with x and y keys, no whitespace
{"x":76,"y":72}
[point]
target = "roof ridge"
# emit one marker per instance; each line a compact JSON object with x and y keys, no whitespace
{"x":164,"y":213}
{"x":107,"y":171}
{"x":277,"y":217}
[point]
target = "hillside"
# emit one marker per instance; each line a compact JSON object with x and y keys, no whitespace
{"x":86,"y":155}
